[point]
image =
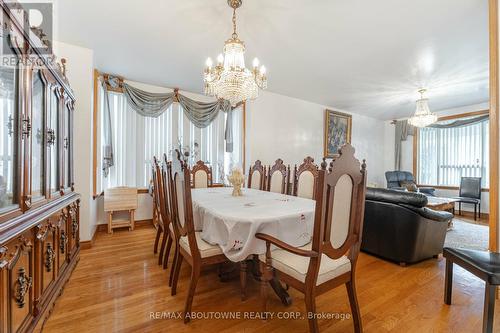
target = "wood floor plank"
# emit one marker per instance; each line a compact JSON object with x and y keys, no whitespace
{"x":117,"y":286}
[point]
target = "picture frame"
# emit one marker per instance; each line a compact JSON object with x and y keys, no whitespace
{"x":338,"y":129}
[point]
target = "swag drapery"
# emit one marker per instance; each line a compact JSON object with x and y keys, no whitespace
{"x":148,"y":104}
{"x":403,"y":129}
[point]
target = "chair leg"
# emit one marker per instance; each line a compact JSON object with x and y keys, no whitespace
{"x":479,"y":211}
{"x":475,"y":211}
{"x":195,"y":274}
{"x":162,"y":247}
{"x":353,"y":301}
{"x":311,"y":311}
{"x":459,"y":208}
{"x":263,"y":288}
{"x":489,"y":308}
{"x":448,"y":281}
{"x":167,"y":251}
{"x":174,"y":264}
{"x":176,"y":271}
{"x":157,"y":240}
{"x":243,"y":279}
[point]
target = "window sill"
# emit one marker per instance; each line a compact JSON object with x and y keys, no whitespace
{"x":456,"y":188}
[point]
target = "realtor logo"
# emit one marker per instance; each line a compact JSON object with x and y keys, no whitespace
{"x":35,"y":20}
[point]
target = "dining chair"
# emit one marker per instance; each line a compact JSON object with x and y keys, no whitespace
{"x":257,"y":176}
{"x":202,"y":175}
{"x":277,"y":177}
{"x":156,"y":207}
{"x":305,"y":178}
{"x":192,"y":248}
{"x":166,"y":210}
{"x":470,"y":192}
{"x":329,"y":260}
{"x":170,"y":194}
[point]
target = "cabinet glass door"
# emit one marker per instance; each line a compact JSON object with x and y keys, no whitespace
{"x":8,"y":137}
{"x":53,"y":140}
{"x":37,"y":139}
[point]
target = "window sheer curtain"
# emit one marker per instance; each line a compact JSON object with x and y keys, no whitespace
{"x":447,"y":154}
{"x":137,"y":139}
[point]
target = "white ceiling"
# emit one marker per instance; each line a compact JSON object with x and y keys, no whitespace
{"x":363,"y":56}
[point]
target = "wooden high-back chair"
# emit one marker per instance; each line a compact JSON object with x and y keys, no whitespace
{"x":257,"y":176}
{"x":202,"y":175}
{"x":330,"y":259}
{"x":305,"y":179}
{"x":156,"y":209}
{"x":192,"y":248}
{"x":277,"y":177}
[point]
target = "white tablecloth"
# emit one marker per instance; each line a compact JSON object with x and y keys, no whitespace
{"x":232,"y":222}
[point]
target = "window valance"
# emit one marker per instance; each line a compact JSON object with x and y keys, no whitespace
{"x":148,"y":104}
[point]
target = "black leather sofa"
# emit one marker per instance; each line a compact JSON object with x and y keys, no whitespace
{"x":396,"y":178}
{"x":398,"y":227}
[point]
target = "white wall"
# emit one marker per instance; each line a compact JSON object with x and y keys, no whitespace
{"x":80,"y":66}
{"x":291,"y":129}
{"x":407,"y":155}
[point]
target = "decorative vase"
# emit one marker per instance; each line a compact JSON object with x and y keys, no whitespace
{"x":236,"y":178}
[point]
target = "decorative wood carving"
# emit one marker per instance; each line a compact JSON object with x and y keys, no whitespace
{"x":74,"y":221}
{"x":50,"y":254}
{"x":63,"y":240}
{"x":23,"y":284}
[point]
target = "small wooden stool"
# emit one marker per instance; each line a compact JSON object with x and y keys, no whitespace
{"x":120,"y":199}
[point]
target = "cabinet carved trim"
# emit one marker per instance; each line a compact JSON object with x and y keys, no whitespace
{"x":44,"y":229}
{"x":23,"y":284}
{"x":74,"y":220}
{"x":50,"y":255}
{"x":62,"y":242}
{"x":3,"y":255}
{"x":51,"y":137}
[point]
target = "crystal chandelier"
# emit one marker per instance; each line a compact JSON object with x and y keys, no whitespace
{"x":423,"y":116}
{"x":230,"y":79}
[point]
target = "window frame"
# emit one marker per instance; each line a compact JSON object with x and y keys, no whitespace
{"x":416,"y":149}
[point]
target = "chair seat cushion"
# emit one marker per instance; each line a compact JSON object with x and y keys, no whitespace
{"x":206,"y":249}
{"x":296,"y":266}
{"x":469,"y":200}
{"x":486,"y":263}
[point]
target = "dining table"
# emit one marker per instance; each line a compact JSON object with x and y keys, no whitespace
{"x":231,"y":222}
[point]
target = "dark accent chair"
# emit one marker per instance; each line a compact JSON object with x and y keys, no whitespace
{"x":398,"y":227}
{"x":483,"y":264}
{"x":470,"y":193}
{"x":396,"y":178}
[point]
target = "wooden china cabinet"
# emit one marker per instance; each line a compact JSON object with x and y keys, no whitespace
{"x":39,"y":210}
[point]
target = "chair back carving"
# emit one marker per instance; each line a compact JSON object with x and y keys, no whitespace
{"x":278,"y":176}
{"x":202,"y":175}
{"x":257,"y":176}
{"x":305,"y":179}
{"x":340,"y":203}
{"x":183,"y":205}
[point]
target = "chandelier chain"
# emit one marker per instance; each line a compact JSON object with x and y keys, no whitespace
{"x":235,"y":35}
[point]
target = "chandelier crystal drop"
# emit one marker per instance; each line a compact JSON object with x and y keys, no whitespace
{"x":230,"y":79}
{"x":423,"y":116}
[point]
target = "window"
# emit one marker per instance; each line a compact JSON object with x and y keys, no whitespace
{"x":136,"y":139}
{"x":447,"y":154}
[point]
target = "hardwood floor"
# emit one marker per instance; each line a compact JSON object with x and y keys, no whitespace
{"x":118,"y":287}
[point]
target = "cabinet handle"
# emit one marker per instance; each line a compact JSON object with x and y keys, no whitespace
{"x":23,"y":284}
{"x":49,"y":257}
{"x":26,"y":127}
{"x":66,"y":143}
{"x":51,"y":137}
